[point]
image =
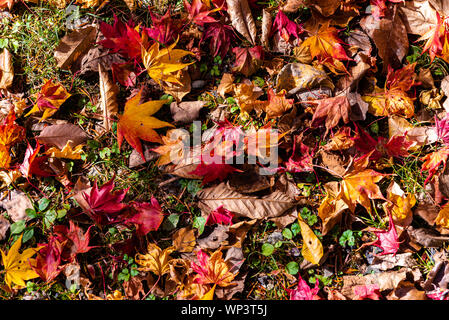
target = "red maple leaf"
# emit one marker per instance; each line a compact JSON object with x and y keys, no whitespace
{"x":221,"y":36}
{"x":213,"y":171}
{"x":198,"y":12}
{"x":105,"y":205}
{"x":442,"y":129}
{"x":148,"y":216}
{"x":300,"y":161}
{"x":379,"y":7}
{"x":247,"y":60}
{"x":125,"y":73}
{"x":48,"y":260}
{"x":164,"y":29}
{"x":396,"y":146}
{"x":303,"y":291}
{"x":387,"y":240}
{"x":122,"y":38}
{"x":32,"y":164}
{"x":285,"y":27}
{"x":76,"y":241}
{"x":220,"y":216}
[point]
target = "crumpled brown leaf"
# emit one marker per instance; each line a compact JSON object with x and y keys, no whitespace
{"x":242,"y":19}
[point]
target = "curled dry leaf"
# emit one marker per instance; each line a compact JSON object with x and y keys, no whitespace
{"x":108,"y":93}
{"x":295,"y":77}
{"x":6,"y":70}
{"x":242,"y":19}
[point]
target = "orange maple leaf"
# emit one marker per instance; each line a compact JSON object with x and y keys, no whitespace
{"x":136,"y":123}
{"x":359,"y":185}
{"x":433,"y":160}
{"x":325,"y":45}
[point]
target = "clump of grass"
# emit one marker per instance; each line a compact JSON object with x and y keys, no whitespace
{"x":33,"y":39}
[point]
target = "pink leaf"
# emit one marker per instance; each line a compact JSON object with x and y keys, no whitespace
{"x":220,"y":216}
{"x":303,"y":291}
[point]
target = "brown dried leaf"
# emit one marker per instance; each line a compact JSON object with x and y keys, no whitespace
{"x":184,"y":239}
{"x":273,"y":205}
{"x":60,"y":134}
{"x":390,"y":37}
{"x":242,"y":19}
{"x":108,"y":93}
{"x":187,"y":111}
{"x":73,"y":45}
{"x":6,"y":69}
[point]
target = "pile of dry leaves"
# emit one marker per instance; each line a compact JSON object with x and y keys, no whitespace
{"x":353,"y":91}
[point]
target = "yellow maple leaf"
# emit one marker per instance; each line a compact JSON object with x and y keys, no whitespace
{"x":162,"y":64}
{"x":136,"y":123}
{"x":312,"y":249}
{"x":67,"y":152}
{"x":386,"y":104}
{"x":18,"y":265}
{"x":359,"y":185}
{"x":400,"y":204}
{"x":331,"y":208}
{"x":156,"y":260}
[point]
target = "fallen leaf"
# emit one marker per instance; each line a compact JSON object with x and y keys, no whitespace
{"x":390,"y":37}
{"x":331,"y":110}
{"x":6,"y":70}
{"x":17,"y":265}
{"x":49,"y":99}
{"x":108,"y":93}
{"x":155,"y":260}
{"x":187,"y":111}
{"x":184,"y":240}
{"x":273,"y":205}
{"x":148,"y":216}
{"x":242,"y":19}
{"x":212,"y":269}
{"x":162,"y":64}
{"x":303,"y":291}
{"x":137,"y":123}
{"x":312,"y":249}
{"x":73,"y":46}
{"x":61,"y":135}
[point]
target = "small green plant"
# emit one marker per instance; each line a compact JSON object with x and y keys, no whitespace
{"x":129,"y":271}
{"x":349,"y":238}
{"x":308,"y":216}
